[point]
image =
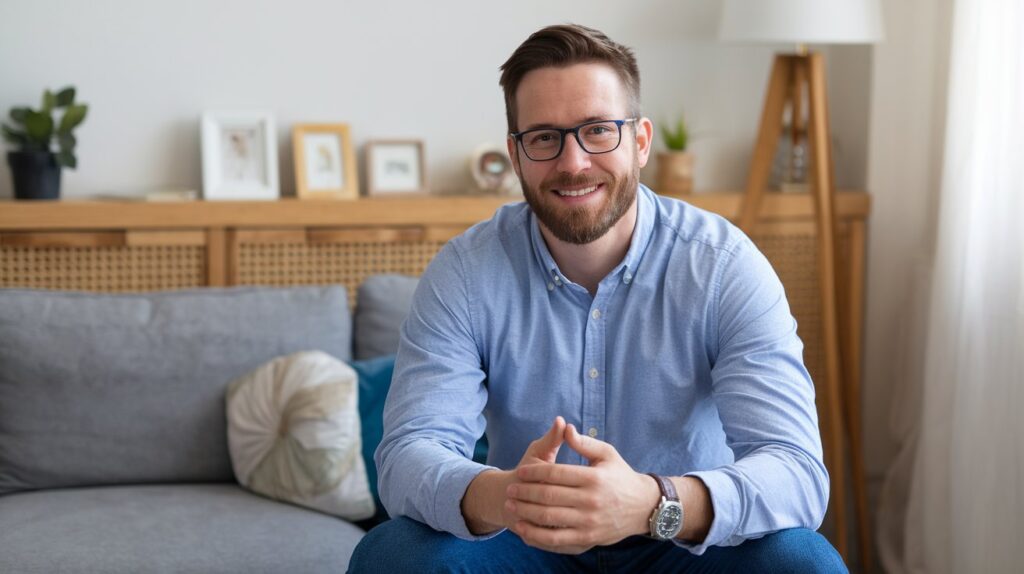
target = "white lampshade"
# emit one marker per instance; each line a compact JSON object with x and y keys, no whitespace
{"x":802,"y":21}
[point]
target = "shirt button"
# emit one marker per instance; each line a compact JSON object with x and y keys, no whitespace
{"x":592,"y":432}
{"x":593,"y":373}
{"x":627,"y":278}
{"x":596,"y":314}
{"x":551,"y":286}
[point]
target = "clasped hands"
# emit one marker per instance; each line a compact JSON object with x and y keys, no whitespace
{"x":569,"y":508}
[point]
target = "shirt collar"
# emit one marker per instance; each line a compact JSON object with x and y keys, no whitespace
{"x":646,"y":212}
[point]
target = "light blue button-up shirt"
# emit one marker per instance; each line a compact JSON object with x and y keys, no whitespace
{"x":686,"y":360}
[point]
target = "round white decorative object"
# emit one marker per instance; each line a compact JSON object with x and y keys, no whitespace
{"x":294,"y":434}
{"x":492,"y":170}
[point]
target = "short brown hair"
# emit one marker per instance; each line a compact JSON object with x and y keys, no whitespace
{"x":565,"y":45}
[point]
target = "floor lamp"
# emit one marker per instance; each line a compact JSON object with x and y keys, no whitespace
{"x":803,"y":22}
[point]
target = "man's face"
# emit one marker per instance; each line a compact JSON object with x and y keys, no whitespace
{"x":604,"y":184}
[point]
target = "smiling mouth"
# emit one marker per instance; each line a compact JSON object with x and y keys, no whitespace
{"x":576,"y":192}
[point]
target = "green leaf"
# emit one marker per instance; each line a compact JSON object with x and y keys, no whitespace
{"x":13,"y":136}
{"x":67,"y":159}
{"x":49,"y":100}
{"x":74,"y":116}
{"x":39,"y":127}
{"x":67,"y":142}
{"x":18,"y":114}
{"x":675,"y":139}
{"x":66,"y":97}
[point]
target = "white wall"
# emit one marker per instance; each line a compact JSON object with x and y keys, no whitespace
{"x":910,"y":73}
{"x":908,"y":103}
{"x":414,"y":69}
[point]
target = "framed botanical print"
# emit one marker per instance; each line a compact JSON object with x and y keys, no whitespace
{"x":239,"y":156}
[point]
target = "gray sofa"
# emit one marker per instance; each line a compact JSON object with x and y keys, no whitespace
{"x":113,"y":448}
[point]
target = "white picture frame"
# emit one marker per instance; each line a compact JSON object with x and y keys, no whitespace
{"x":395,"y":167}
{"x":239,"y":156}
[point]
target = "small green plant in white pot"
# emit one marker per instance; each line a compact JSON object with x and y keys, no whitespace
{"x":35,"y":166}
{"x":675,"y":165}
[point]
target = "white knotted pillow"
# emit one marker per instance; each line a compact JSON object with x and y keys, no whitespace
{"x":294,"y":434}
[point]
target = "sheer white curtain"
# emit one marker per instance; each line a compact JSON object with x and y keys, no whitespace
{"x":962,"y":467}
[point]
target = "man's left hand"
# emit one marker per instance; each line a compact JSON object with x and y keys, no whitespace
{"x":570,"y":509}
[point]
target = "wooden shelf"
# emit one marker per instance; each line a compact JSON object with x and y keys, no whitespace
{"x":417,"y":211}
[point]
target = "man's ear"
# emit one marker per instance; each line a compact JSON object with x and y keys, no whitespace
{"x":513,"y":154}
{"x":644,"y":140}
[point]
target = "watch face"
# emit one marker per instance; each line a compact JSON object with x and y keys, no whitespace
{"x":669,"y":520}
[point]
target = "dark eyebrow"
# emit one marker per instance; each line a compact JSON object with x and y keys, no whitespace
{"x":553,"y":126}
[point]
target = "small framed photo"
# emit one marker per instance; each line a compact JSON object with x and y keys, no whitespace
{"x":239,"y":156}
{"x":395,"y":167}
{"x":325,"y":162}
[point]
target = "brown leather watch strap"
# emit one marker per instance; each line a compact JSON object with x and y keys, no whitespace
{"x":668,"y":490}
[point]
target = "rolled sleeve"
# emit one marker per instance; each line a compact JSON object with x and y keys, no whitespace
{"x":725,"y":500}
{"x":448,"y":504}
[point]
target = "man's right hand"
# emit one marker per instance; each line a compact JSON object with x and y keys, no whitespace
{"x":545,"y":449}
{"x":483,"y":505}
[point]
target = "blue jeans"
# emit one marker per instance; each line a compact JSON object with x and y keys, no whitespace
{"x":404,"y":545}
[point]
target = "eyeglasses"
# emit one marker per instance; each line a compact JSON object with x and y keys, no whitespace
{"x":544,"y":144}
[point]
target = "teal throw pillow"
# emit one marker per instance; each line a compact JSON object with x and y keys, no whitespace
{"x":374,"y":382}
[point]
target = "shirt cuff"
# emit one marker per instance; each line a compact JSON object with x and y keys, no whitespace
{"x":448,"y":500}
{"x":725,"y":501}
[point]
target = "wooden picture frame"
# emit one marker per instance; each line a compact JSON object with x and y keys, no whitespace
{"x":325,"y":162}
{"x":239,"y":156}
{"x":395,"y":167}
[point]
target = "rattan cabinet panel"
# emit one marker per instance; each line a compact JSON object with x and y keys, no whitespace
{"x":326,"y":256}
{"x":108,"y":261}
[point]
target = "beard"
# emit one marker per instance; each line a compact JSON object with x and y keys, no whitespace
{"x":582,"y":224}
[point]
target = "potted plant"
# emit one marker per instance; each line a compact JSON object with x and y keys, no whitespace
{"x":675,"y":166}
{"x":35,"y":167}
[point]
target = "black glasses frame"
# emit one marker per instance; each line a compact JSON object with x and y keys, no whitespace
{"x":575,"y":131}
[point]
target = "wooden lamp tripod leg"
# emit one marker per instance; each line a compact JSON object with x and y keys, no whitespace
{"x":767,"y":140}
{"x":849,"y":335}
{"x":788,"y":76}
{"x":822,"y":190}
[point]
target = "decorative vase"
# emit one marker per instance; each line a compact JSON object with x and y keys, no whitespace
{"x":789,"y":166}
{"x":675,"y":172}
{"x":36,"y":174}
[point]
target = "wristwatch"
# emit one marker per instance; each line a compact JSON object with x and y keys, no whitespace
{"x":667,"y":519}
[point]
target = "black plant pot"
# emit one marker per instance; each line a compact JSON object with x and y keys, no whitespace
{"x":36,"y":174}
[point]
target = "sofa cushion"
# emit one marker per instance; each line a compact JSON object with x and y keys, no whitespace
{"x":113,"y":389}
{"x":293,"y":434}
{"x":158,"y":528}
{"x":374,"y":382}
{"x":382,"y":303}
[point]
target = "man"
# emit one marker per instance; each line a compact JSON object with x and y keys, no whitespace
{"x":599,"y":333}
